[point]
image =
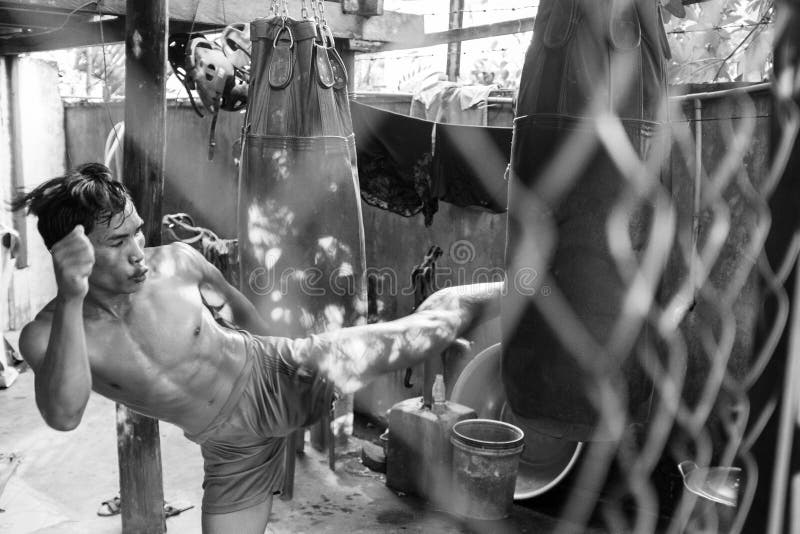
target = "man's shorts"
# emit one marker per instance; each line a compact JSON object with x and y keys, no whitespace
{"x":243,"y":446}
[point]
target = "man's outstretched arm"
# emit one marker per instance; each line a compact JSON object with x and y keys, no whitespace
{"x":351,"y":357}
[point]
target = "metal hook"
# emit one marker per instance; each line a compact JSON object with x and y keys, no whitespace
{"x":283,"y":28}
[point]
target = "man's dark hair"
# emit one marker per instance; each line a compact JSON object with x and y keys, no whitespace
{"x":86,"y":195}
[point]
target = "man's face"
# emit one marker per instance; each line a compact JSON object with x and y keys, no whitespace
{"x":119,"y":262}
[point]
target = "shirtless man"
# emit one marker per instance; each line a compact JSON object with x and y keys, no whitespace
{"x":129,"y":322}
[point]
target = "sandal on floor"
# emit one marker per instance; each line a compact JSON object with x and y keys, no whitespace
{"x":174,"y":509}
{"x":109,"y":507}
{"x":114,"y":507}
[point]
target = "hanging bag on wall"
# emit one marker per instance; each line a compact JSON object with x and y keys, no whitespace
{"x":300,"y":225}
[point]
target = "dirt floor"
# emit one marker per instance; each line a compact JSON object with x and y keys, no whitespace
{"x":54,"y":482}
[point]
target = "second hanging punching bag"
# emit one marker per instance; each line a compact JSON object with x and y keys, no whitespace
{"x":587,"y":57}
{"x":300,"y":226}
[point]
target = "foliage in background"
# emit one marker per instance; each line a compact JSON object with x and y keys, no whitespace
{"x":717,"y":41}
{"x":103,"y":72}
{"x":721,"y":41}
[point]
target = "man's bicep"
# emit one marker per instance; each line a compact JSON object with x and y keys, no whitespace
{"x":33,"y":341}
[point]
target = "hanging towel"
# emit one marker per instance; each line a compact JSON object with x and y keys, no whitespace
{"x":469,"y":165}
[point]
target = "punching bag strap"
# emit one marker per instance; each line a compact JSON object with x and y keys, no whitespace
{"x":281,"y":65}
{"x":212,"y":136}
{"x":324,"y":69}
{"x":561,"y":24}
{"x":332,"y":123}
{"x":337,"y":63}
{"x":625,"y":32}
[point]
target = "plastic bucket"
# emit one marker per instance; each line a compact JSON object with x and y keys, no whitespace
{"x":485,"y":462}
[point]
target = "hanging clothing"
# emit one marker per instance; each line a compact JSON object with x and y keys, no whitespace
{"x":448,"y":102}
{"x":469,"y":166}
{"x":404,"y":171}
{"x":394,"y":155}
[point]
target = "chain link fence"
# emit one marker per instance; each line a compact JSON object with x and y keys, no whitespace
{"x":701,"y":232}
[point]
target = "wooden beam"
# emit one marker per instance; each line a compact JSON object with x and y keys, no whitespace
{"x":73,"y":36}
{"x":88,"y":34}
{"x":463,"y":34}
{"x":144,"y":152}
{"x":455,"y":22}
{"x":388,"y":27}
{"x":10,"y":16}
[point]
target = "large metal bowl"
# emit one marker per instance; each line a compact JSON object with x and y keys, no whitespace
{"x":545,"y":460}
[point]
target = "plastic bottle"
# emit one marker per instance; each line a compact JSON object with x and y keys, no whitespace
{"x":438,"y":393}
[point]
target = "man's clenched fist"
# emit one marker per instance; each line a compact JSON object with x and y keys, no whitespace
{"x":73,"y":259}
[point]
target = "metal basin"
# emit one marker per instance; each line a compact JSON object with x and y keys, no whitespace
{"x":545,"y":461}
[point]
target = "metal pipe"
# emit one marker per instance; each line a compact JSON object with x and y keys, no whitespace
{"x":722,"y":92}
{"x":15,"y":167}
{"x":787,"y":423}
{"x":698,"y":190}
{"x":678,"y":98}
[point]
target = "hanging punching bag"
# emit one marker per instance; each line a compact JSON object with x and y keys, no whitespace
{"x":585,"y":56}
{"x":300,"y":227}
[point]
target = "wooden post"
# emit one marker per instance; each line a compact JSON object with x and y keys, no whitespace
{"x":454,"y":48}
{"x":139,"y":447}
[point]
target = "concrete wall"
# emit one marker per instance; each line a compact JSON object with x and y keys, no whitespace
{"x":42,"y":158}
{"x":473,"y":245}
{"x":192,"y":184}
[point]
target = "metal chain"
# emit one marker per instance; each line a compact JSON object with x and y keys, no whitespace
{"x":304,"y":10}
{"x":284,"y":11}
{"x":321,"y":7}
{"x":274,"y":7}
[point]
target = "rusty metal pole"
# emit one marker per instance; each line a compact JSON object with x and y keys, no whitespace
{"x":139,"y":447}
{"x":15,"y":133}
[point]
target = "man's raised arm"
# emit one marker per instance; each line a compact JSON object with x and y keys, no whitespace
{"x":59,"y":358}
{"x":351,"y":357}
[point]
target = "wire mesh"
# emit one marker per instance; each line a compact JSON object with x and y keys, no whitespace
{"x":711,"y":297}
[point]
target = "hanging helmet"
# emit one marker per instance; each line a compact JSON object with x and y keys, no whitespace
{"x":201,"y":65}
{"x":235,"y":43}
{"x":213,"y":76}
{"x":235,"y":96}
{"x":177,"y":55}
